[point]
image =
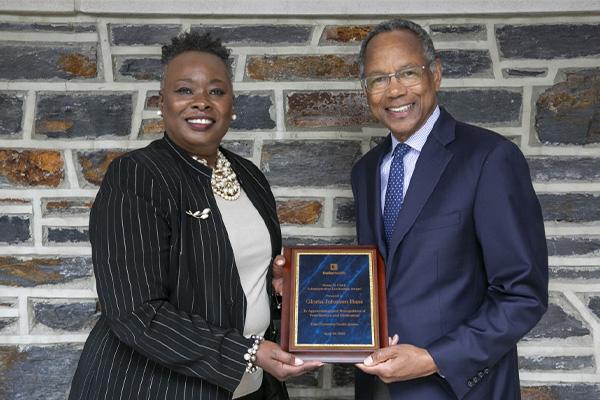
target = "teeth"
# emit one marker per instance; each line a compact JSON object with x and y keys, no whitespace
{"x":401,"y":108}
{"x":199,"y":121}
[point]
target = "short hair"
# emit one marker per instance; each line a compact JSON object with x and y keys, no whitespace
{"x":196,"y":41}
{"x":398,"y":25}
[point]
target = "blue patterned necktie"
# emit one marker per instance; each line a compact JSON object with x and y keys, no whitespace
{"x":394,"y":193}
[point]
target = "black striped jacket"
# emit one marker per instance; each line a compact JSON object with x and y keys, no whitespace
{"x":172,"y":304}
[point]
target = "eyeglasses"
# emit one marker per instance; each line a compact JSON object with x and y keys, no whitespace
{"x":409,"y":76}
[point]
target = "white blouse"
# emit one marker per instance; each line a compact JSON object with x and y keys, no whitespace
{"x":251,"y":244}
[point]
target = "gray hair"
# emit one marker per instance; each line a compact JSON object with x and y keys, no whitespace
{"x":397,"y":25}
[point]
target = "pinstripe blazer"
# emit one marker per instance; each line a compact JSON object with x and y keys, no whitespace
{"x":173,"y":307}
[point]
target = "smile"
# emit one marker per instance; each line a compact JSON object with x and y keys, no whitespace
{"x":201,"y":121}
{"x":399,"y":109}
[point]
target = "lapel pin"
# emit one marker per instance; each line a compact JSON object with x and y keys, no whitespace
{"x":199,"y":214}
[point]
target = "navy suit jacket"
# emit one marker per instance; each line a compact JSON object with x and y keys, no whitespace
{"x":467,"y":265}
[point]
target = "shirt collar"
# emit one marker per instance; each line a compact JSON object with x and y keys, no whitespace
{"x":417,"y":140}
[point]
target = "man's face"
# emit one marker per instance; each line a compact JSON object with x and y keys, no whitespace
{"x":403,"y":110}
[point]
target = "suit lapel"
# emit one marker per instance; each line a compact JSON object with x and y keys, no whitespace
{"x":431,"y":164}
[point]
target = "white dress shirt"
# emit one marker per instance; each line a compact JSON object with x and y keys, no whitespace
{"x":416,"y":141}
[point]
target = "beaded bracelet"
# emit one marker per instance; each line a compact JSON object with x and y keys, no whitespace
{"x":250,"y":355}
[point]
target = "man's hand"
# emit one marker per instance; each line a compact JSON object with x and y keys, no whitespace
{"x":399,"y":363}
{"x":280,"y":364}
{"x":278,"y":263}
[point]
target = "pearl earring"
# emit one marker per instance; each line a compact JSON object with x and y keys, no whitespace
{"x":159,"y":113}
{"x":233,"y":117}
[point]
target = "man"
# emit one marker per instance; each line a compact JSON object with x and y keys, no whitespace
{"x":453,"y":212}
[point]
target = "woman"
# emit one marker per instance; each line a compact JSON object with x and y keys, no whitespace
{"x":183,"y":233}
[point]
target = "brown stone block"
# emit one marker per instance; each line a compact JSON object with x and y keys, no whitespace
{"x":567,"y":112}
{"x":95,"y":164}
{"x":152,"y":101}
{"x":299,"y":212}
{"x":28,"y":270}
{"x":32,"y":167}
{"x":13,"y":201}
{"x":346,"y":34}
{"x":64,"y":207}
{"x":78,"y":64}
{"x":302,"y":67}
{"x":152,"y":127}
{"x":327,"y":109}
{"x":22,"y":272}
{"x":57,"y":125}
{"x":539,"y":393}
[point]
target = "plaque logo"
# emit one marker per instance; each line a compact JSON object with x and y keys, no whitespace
{"x":333,"y":267}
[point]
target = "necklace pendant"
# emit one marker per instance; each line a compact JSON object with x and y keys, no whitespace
{"x":224,"y":181}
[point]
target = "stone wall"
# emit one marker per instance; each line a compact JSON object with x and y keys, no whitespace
{"x":77,"y":90}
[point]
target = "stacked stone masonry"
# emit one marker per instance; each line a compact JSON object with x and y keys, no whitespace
{"x":76,"y":91}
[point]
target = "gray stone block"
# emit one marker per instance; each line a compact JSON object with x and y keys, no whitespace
{"x":259,"y":34}
{"x":524,"y":72}
{"x":572,"y":246}
{"x":66,"y":235}
{"x":594,"y":305}
{"x":244,"y":148}
{"x":7,"y":322}
{"x":344,"y":211}
{"x":584,"y":273}
{"x":83,"y":115}
{"x":28,"y":272}
{"x":137,"y":69}
{"x":548,"y":41}
{"x":492,"y":107}
{"x":66,"y":316}
{"x":343,"y":374}
{"x":556,"y":323}
{"x":37,"y":372}
{"x":309,"y":162}
{"x":570,"y":207}
{"x":52,"y":61}
{"x":39,"y":27}
{"x":253,"y":111}
{"x":15,"y":229}
{"x":546,"y":168}
{"x":315,"y":240}
{"x":558,"y":363}
{"x":450,"y":32}
{"x":11,"y":105}
{"x":309,"y":379}
{"x":459,"y":63}
{"x":146,"y":34}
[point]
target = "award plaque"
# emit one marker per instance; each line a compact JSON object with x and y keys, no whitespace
{"x":334,"y":305}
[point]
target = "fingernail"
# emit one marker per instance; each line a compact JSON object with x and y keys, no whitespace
{"x":298,"y":362}
{"x":368,"y":361}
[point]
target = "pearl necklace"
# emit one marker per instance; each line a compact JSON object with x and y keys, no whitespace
{"x":224,"y":181}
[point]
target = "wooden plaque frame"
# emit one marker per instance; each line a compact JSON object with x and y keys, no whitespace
{"x":336,"y":352}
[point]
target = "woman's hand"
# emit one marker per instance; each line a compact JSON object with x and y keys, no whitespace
{"x":280,"y":364}
{"x":278,"y":263}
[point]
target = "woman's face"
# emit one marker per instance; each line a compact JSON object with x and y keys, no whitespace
{"x":196,"y":101}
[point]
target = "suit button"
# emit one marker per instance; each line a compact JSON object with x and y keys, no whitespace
{"x":470,"y":383}
{"x":486,"y":371}
{"x":475,"y":380}
{"x":480,"y":374}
